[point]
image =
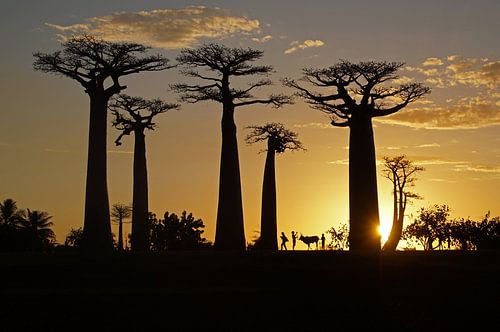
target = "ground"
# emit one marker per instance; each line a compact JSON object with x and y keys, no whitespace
{"x":307,"y":291}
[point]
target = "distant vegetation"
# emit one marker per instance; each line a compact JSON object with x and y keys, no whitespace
{"x":432,"y":230}
{"x":25,"y":230}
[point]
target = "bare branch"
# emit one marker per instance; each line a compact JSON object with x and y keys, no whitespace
{"x":90,"y":61}
{"x":276,"y":100}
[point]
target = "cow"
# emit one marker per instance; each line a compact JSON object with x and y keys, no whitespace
{"x":309,"y":239}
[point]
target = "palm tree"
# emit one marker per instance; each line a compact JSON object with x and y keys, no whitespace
{"x":278,"y":140}
{"x":135,"y":115}
{"x":37,"y":228}
{"x":10,"y":215}
{"x":119,"y":212}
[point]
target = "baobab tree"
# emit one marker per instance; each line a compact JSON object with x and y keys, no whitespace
{"x":98,"y":66}
{"x":120,"y":212}
{"x":402,"y":173}
{"x":222,"y":64}
{"x":135,"y":115}
{"x":279,"y":139}
{"x":361,"y":92}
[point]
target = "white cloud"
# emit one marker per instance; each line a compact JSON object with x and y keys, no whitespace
{"x":313,"y":125}
{"x":296,"y":45}
{"x":262,"y":40}
{"x":56,"y":150}
{"x":432,"y":62}
{"x":120,"y":152}
{"x":164,"y":28}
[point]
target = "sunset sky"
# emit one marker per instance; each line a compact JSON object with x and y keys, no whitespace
{"x":452,"y":46}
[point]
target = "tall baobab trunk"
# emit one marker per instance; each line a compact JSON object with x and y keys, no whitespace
{"x":229,"y":234}
{"x":268,"y":224}
{"x":363,"y":199}
{"x":140,"y":227}
{"x":120,"y":234}
{"x":97,"y":226}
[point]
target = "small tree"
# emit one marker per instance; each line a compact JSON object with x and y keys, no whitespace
{"x":430,"y":226}
{"x":361,"y":93}
{"x":402,"y":173}
{"x":174,"y":233}
{"x":120,"y":212}
{"x":339,"y":237}
{"x":488,"y":237}
{"x":37,"y":229}
{"x":278,"y":140}
{"x":93,"y":63}
{"x":135,"y":115}
{"x":74,"y":238}
{"x":11,"y":238}
{"x":10,"y":214}
{"x":223,"y":64}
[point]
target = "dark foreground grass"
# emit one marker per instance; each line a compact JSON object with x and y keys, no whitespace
{"x":308,"y":291}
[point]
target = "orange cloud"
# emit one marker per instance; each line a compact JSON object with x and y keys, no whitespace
{"x":468,"y":113}
{"x":164,"y":28}
{"x":295,"y":46}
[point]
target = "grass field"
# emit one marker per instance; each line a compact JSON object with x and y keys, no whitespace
{"x":308,"y":291}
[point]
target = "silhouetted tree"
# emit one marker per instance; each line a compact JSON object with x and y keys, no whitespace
{"x":172,"y":233}
{"x":120,"y":212}
{"x":488,"y":235}
{"x":74,"y":238}
{"x":10,"y":215}
{"x":223,"y":64}
{"x":401,"y":172}
{"x":278,"y":140}
{"x":37,"y":229}
{"x":339,"y":237}
{"x":135,"y":115}
{"x":92,"y":63}
{"x":430,"y":226}
{"x":361,"y":93}
{"x":11,"y":238}
{"x":463,"y":233}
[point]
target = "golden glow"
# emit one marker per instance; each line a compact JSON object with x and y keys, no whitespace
{"x":385,"y":221}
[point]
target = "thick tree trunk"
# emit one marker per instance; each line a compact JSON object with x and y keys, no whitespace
{"x":97,"y":227}
{"x":268,"y":224}
{"x":397,"y":224}
{"x":120,"y":234}
{"x":140,"y":228}
{"x":363,"y":199}
{"x":229,"y":233}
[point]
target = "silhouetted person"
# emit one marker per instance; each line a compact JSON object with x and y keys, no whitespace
{"x":323,"y":241}
{"x":284,"y":240}
{"x":294,"y":239}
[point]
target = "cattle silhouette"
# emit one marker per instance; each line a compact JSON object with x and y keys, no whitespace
{"x":309,"y":240}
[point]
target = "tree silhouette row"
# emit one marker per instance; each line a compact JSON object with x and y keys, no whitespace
{"x":361,"y":92}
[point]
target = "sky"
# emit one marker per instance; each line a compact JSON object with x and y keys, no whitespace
{"x":451,"y":46}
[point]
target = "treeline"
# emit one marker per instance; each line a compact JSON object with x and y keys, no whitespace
{"x":24,"y":230}
{"x":433,"y":230}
